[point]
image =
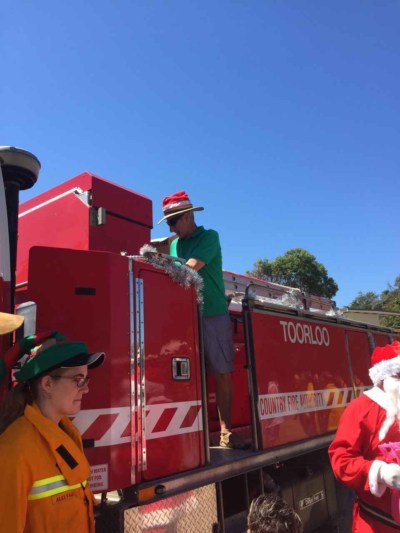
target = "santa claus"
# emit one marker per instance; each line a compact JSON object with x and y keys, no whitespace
{"x":369,"y":421}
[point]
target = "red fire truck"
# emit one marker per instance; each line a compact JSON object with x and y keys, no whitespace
{"x":150,"y":423}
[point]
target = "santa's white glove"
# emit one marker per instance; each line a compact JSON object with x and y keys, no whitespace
{"x":390,"y":475}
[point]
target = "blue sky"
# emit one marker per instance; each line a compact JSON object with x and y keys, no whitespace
{"x":281,"y":117}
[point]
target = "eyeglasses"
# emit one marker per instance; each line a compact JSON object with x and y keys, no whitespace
{"x":173,"y":221}
{"x":81,"y":381}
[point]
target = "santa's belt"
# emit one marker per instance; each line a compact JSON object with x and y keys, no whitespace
{"x":372,"y":512}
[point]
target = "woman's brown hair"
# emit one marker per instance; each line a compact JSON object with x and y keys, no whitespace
{"x":15,"y":402}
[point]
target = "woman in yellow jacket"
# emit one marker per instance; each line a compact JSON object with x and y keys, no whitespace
{"x":44,"y":473}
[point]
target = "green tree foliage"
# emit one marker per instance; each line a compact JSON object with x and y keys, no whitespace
{"x":369,"y":300}
{"x":297,"y":268}
{"x":388,"y":300}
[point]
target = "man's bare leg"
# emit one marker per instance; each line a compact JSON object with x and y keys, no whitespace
{"x":223,"y":392}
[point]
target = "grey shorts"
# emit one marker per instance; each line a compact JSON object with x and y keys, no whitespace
{"x":218,"y":344}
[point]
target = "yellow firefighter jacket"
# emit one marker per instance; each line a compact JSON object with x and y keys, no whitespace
{"x":43,"y":477}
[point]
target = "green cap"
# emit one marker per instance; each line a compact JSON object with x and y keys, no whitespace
{"x":57,"y":354}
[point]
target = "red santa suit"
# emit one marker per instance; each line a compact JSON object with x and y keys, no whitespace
{"x":356,"y":459}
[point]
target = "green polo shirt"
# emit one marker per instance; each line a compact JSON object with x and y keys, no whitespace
{"x":204,"y":245}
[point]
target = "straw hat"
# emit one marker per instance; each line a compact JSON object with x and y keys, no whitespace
{"x":176,"y":204}
{"x":9,"y":323}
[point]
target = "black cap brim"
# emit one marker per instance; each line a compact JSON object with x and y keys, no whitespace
{"x":92,"y":360}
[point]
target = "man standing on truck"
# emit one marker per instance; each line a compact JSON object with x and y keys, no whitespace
{"x":202,"y":251}
{"x":358,"y":454}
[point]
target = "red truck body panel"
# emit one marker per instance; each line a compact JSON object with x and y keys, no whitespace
{"x":92,"y":304}
{"x":61,"y":217}
{"x":174,"y":430}
{"x":95,"y":303}
{"x":298,"y":364}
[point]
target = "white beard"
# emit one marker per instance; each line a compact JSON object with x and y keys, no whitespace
{"x":391,"y":386}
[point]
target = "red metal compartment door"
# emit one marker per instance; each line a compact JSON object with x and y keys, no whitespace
{"x":298,"y":363}
{"x":173,"y":440}
{"x":240,"y":386}
{"x":85,"y":295}
{"x":381,"y":339}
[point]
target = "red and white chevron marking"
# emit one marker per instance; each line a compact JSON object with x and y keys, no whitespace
{"x":111,"y":426}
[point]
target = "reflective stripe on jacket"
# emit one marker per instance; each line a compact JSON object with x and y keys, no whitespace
{"x":43,"y":488}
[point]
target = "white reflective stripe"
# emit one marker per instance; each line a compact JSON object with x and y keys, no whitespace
{"x":48,"y":486}
{"x":77,"y":190}
{"x":113,"y":433}
{"x":297,"y":402}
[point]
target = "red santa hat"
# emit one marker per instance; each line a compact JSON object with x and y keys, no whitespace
{"x":177,"y":204}
{"x":385,"y":362}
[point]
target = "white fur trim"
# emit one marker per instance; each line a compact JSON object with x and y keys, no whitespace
{"x":376,"y":487}
{"x":178,"y":212}
{"x":182,"y":203}
{"x":378,"y":396}
{"x":384,"y":369}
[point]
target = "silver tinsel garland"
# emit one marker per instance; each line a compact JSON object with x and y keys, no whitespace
{"x":181,"y":274}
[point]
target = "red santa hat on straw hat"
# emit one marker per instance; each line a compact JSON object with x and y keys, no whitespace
{"x":385,"y":362}
{"x":177,"y":203}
